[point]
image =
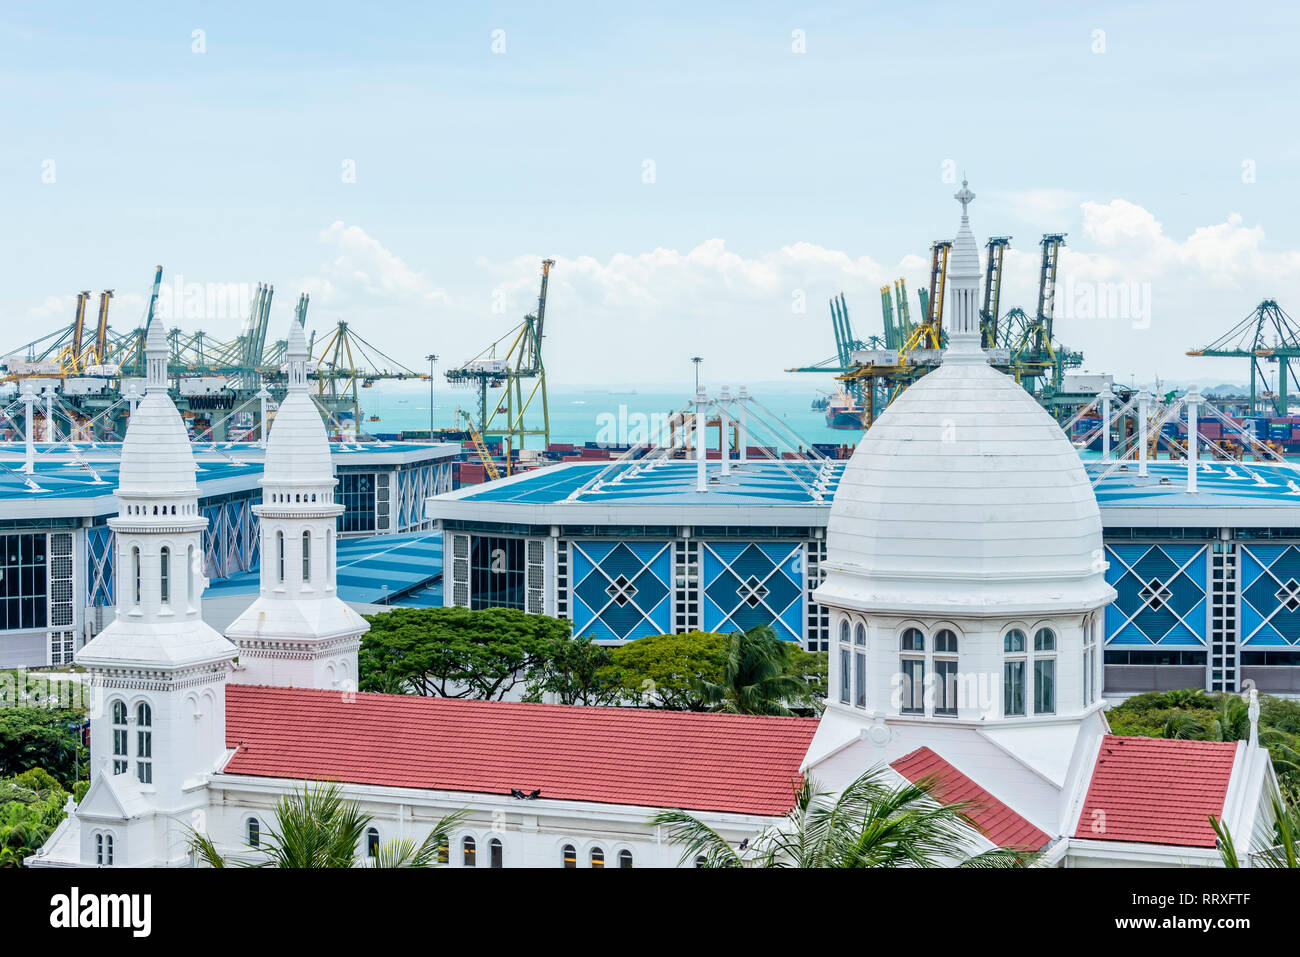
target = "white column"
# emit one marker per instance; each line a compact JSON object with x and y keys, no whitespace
{"x":701,"y":440}
{"x":1144,"y":415}
{"x":29,"y":441}
{"x":1193,"y":399}
{"x":49,"y":417}
{"x":724,"y":430}
{"x":742,"y":421}
{"x":1105,"y":395}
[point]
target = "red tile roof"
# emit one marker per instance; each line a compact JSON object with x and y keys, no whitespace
{"x":698,"y":762}
{"x":1156,"y":791}
{"x":997,"y":822}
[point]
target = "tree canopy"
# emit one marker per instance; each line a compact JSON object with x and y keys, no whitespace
{"x":458,"y":652}
{"x":488,"y":653}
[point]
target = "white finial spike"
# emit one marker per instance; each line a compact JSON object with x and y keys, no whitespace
{"x":1253,"y":712}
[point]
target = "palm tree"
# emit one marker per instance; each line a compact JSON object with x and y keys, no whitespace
{"x":757,"y":676}
{"x":317,"y":828}
{"x":870,"y":824}
{"x":1284,"y":853}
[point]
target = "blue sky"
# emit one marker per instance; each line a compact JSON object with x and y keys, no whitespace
{"x":776,"y":173}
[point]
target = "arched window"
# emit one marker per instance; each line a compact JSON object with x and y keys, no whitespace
{"x":189,"y":576}
{"x":912,"y":669}
{"x":444,"y":849}
{"x":945,"y":672}
{"x":570,"y":856}
{"x":1044,"y":671}
{"x":1013,"y":672}
{"x":306,"y":557}
{"x":135,"y":570}
{"x":844,"y":630}
{"x":279,"y":546}
{"x":860,"y":665}
{"x":165,"y":575}
{"x":329,"y":556}
{"x":625,"y":858}
{"x":372,"y":843}
{"x":469,"y":852}
{"x":496,"y":854}
{"x":144,"y":743}
{"x":597,"y":857}
{"x":254,"y":832}
{"x":1090,"y":660}
{"x":120,"y":737}
{"x":104,"y":850}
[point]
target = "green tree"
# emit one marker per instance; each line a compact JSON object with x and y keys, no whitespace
{"x":315,"y":827}
{"x":1285,"y":852}
{"x":666,"y":671}
{"x":41,"y":738}
{"x":580,"y":672}
{"x":458,"y":652}
{"x":759,"y":676}
{"x":31,"y":807}
{"x":870,"y":824}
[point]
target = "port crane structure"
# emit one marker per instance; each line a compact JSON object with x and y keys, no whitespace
{"x":1267,"y":336}
{"x":215,"y":382}
{"x":519,"y":412}
{"x":879,"y":369}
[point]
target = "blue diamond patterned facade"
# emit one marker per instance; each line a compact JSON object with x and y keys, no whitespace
{"x":1161,"y":595}
{"x":621,"y":590}
{"x":747,"y":584}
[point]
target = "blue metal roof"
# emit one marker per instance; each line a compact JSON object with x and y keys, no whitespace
{"x":1219,"y":484}
{"x":62,"y":473}
{"x":372,"y":570}
{"x":54,"y":480}
{"x":665,"y":483}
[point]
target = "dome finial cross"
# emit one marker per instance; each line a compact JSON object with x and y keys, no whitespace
{"x":964,"y":196}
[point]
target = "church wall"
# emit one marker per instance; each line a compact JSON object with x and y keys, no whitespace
{"x":532,"y":833}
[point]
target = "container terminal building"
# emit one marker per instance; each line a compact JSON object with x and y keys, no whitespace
{"x":57,"y":555}
{"x":1207,"y":580}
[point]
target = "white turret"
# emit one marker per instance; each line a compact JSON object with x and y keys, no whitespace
{"x":158,"y":671}
{"x":298,"y":632}
{"x":964,"y":577}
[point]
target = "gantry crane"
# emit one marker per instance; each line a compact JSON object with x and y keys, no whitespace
{"x":522,"y":376}
{"x":995,"y":250}
{"x":1267,"y":336}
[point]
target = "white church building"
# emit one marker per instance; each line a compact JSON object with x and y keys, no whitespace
{"x":965,"y":578}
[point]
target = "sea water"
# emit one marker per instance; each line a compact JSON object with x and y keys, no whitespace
{"x":608,"y":416}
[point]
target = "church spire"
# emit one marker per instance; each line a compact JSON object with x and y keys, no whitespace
{"x":963,"y":287}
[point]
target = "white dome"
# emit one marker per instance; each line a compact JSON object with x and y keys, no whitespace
{"x":964,"y":494}
{"x":297,"y":448}
{"x":156,"y":457}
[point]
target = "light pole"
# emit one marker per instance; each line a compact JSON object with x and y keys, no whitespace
{"x":432,"y":357}
{"x":697,"y":360}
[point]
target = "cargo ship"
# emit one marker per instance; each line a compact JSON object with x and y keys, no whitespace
{"x":844,"y":412}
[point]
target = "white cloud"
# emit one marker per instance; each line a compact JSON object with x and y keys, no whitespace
{"x":362,"y":267}
{"x":639,"y":316}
